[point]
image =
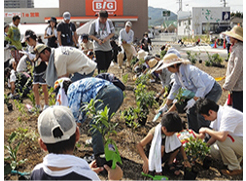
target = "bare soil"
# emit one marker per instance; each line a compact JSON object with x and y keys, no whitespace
{"x":126,"y":140}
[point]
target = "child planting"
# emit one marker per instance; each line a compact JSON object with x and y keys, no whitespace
{"x":164,"y":145}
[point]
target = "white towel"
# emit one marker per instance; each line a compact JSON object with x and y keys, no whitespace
{"x":172,"y":143}
{"x":49,"y":31}
{"x":155,"y":151}
{"x":107,"y":27}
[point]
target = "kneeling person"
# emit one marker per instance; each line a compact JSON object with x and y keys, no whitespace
{"x":58,"y":135}
{"x":164,"y":145}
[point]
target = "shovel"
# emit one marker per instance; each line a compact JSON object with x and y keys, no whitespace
{"x":157,"y":116}
{"x":156,"y":177}
{"x":219,"y":78}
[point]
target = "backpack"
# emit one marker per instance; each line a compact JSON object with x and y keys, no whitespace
{"x":111,"y":78}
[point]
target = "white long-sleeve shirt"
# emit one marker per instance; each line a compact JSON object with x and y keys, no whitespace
{"x":128,"y":37}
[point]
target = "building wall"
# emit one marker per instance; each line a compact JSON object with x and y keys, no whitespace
{"x":30,"y":15}
{"x":130,"y":8}
{"x":18,"y":4}
{"x":208,"y":18}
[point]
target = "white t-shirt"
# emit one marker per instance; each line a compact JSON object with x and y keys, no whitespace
{"x":21,"y":67}
{"x":12,"y":76}
{"x":70,"y":60}
{"x":228,"y":119}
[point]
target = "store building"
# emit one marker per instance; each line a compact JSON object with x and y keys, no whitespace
{"x":18,"y":4}
{"x":83,"y":11}
{"x":203,"y":20}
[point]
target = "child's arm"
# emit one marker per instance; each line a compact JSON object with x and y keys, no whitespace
{"x":147,"y":139}
{"x":186,"y":161}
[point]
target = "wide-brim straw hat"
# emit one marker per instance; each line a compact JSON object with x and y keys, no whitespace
{"x":236,"y":32}
{"x":141,"y":54}
{"x":152,"y":63}
{"x":171,"y":59}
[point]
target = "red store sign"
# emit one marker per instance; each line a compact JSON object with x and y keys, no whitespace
{"x":112,"y":6}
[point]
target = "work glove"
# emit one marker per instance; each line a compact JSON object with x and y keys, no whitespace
{"x":190,"y":103}
{"x":163,"y":109}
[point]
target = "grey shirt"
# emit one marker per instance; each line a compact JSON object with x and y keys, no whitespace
{"x":102,"y":29}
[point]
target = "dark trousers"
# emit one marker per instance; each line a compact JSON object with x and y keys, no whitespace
{"x":237,"y":100}
{"x":103,"y":60}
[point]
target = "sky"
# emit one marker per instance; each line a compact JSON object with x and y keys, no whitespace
{"x":236,"y":5}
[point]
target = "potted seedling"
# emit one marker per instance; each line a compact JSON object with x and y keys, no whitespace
{"x":102,"y":124}
{"x":6,"y":101}
{"x":196,"y":149}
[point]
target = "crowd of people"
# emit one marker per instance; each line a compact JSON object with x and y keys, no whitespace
{"x":68,"y":62}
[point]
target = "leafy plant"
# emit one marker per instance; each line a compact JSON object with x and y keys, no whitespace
{"x":133,"y":61}
{"x":196,"y":149}
{"x":163,"y":53}
{"x":12,"y":150}
{"x":143,"y":96}
{"x":207,"y":63}
{"x":20,"y":107}
{"x":32,"y":98}
{"x":100,"y":118}
{"x":180,"y":98}
{"x":143,"y":79}
{"x":6,"y":99}
{"x":125,"y":78}
{"x":191,"y":57}
{"x":217,"y":59}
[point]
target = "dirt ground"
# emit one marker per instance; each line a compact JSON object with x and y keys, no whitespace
{"x":125,"y":139}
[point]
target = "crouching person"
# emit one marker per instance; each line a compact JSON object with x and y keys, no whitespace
{"x":226,"y":134}
{"x":82,"y":91}
{"x":164,"y":145}
{"x":58,"y":135}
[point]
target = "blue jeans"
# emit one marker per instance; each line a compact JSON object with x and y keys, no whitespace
{"x":112,"y":97}
{"x":195,"y":120}
{"x":77,"y":76}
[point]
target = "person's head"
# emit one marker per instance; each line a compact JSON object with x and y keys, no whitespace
{"x":57,"y":129}
{"x":12,"y":64}
{"x":171,"y":123}
{"x":128,"y":26}
{"x":85,"y":38}
{"x":43,"y":52}
{"x":207,"y":108}
{"x":66,"y":17}
{"x":7,"y":72}
{"x":30,"y":38}
{"x":52,"y":22}
{"x":172,"y":62}
{"x":6,"y":28}
{"x":103,"y":16}
{"x":16,"y":20}
{"x":63,"y":82}
{"x":146,"y":35}
{"x":235,"y":35}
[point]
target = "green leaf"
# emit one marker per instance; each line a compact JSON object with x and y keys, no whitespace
{"x":7,"y":168}
{"x":12,"y":137}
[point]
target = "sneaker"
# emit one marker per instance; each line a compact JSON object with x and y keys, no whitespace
{"x":231,"y":172}
{"x":35,"y":109}
{"x":45,"y":107}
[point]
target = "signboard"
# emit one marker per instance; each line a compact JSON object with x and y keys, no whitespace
{"x":166,"y":13}
{"x":26,"y":15}
{"x":111,"y":6}
{"x":226,"y":15}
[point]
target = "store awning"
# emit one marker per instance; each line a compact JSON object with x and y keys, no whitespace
{"x":86,"y":18}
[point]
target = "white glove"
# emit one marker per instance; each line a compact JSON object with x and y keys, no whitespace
{"x":190,"y":103}
{"x":11,"y":96}
{"x":163,"y":109}
{"x":31,"y":56}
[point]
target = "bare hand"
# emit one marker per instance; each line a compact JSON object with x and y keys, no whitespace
{"x":100,"y":42}
{"x":146,"y":166}
{"x":105,"y":39}
{"x":202,"y":130}
{"x":187,"y":164}
{"x":93,"y":166}
{"x":114,"y":174}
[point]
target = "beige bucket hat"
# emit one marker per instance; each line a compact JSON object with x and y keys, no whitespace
{"x":236,"y":32}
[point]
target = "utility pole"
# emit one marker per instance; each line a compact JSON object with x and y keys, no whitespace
{"x":224,"y":2}
{"x":180,"y":5}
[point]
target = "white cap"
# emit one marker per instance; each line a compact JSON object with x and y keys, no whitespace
{"x":66,"y":15}
{"x":53,"y":118}
{"x":128,"y":23}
